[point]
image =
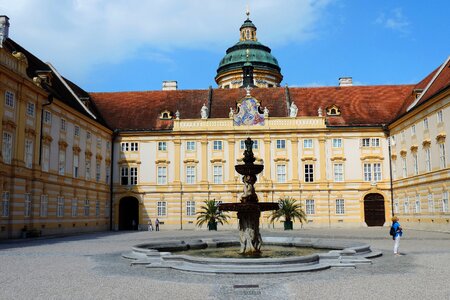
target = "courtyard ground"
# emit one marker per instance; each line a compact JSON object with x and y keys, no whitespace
{"x":90,"y":266}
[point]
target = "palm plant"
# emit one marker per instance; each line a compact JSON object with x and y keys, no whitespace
{"x":290,"y":210}
{"x":211,"y":215}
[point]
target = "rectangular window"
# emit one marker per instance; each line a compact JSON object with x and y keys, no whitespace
{"x":365,"y":142}
{"x":62,"y":162}
{"x":88,"y":136}
{"x":99,"y":142}
{"x":375,"y":142}
{"x":394,"y":168}
{"x":413,"y":130}
{"x":47,"y":117}
{"x":338,"y":170}
{"x":97,"y":208}
{"x":404,"y":170}
{"x":367,"y":172}
{"x":445,"y":201}
{"x":162,"y":146}
{"x":134,"y":146}
{"x":124,"y":147}
{"x":77,"y":130}
{"x":415,"y":163}
{"x":430,"y":202}
{"x":29,"y":154}
{"x":190,"y":208}
{"x":217,"y":173}
{"x":190,"y":146}
{"x":45,"y":158}
{"x":97,"y":172}
{"x":162,"y":175}
{"x":9,"y":99}
{"x":406,"y":205}
{"x":217,"y":145}
{"x":281,"y":173}
{"x":255,"y":144}
{"x":340,"y":209}
{"x":88,"y":170}
{"x":377,"y":171}
{"x":309,"y":173}
{"x":27,"y":206}
{"x":63,"y":125}
{"x":417,"y":204}
{"x":307,"y":144}
{"x":310,"y":207}
{"x":5,"y":204}
{"x":162,"y":208}
{"x":440,"y":118}
{"x":7,"y":147}
{"x":425,"y":123}
{"x":133,"y":176}
{"x":86,"y":208}
{"x":74,"y":207}
{"x":337,"y":143}
{"x":281,"y":144}
{"x":60,"y":206}
{"x":44,"y":206}
{"x":75,"y":165}
{"x":31,"y":107}
{"x":190,"y":174}
{"x":428,"y":159}
{"x":124,"y":176}
{"x":442,"y":161}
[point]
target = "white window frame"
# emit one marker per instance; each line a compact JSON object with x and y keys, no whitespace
{"x":190,"y":208}
{"x":310,"y":207}
{"x":27,"y":205}
{"x":217,"y":145}
{"x":124,"y":147}
{"x":162,"y":146}
{"x":29,"y":153}
{"x":190,"y":174}
{"x":427,"y":159}
{"x":281,"y":173}
{"x":440,"y":117}
{"x":62,"y":161}
{"x":76,"y":165}
{"x":74,"y":207}
{"x":254,"y":147}
{"x":31,"y":109}
{"x":162,"y":175}
{"x":133,"y":176}
{"x":417,"y":204}
{"x":87,"y":174}
{"x":59,"y":206}
{"x":442,"y":160}
{"x":445,"y":201}
{"x":217,"y":174}
{"x":406,"y":205}
{"x":340,"y":207}
{"x":76,"y":130}
{"x":98,"y":173}
{"x":107,"y":173}
{"x":338,"y":172}
{"x":124,"y":176}
{"x":367,"y":172}
{"x":337,"y":143}
{"x":413,"y":129}
{"x":134,"y":146}
{"x":425,"y":124}
{"x":5,"y":204}
{"x":190,"y":146}
{"x":7,"y":148}
{"x":430,"y":202}
{"x":365,"y":142}
{"x":63,"y":125}
{"x":377,"y":172}
{"x":281,"y":144}
{"x":43,"y":206}
{"x":375,"y":142}
{"x":396,"y":208}
{"x":415,"y":163}
{"x":307,"y":143}
{"x":404,"y":167}
{"x":47,"y":117}
{"x":161,"y":208}
{"x":86,"y":208}
{"x":10,"y":99}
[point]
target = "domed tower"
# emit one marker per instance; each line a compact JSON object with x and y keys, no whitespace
{"x":248,"y":55}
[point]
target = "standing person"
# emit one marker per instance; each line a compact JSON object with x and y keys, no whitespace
{"x":133,"y":225}
{"x":398,"y":233}
{"x":157,"y":224}
{"x":150,"y":225}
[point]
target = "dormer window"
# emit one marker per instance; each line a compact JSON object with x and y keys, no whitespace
{"x":165,"y":115}
{"x":333,"y":111}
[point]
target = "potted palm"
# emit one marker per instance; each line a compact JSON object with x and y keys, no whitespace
{"x":211,"y":215}
{"x":289,"y":210}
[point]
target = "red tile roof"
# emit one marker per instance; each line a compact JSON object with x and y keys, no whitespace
{"x":439,"y":84}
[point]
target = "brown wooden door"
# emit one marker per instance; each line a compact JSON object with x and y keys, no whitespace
{"x":374,"y":213}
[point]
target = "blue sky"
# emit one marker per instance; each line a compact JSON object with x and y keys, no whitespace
{"x":123,"y":45}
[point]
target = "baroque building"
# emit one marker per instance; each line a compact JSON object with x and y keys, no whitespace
{"x":75,"y":161}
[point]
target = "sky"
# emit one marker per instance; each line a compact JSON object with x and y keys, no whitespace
{"x":134,"y":45}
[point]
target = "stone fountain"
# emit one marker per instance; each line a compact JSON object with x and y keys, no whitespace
{"x":249,"y":209}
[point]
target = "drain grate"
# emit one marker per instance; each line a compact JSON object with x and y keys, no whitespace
{"x":246,"y":286}
{"x":247,"y":289}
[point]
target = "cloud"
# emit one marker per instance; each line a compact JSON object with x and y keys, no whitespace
{"x":76,"y":35}
{"x":395,"y":20}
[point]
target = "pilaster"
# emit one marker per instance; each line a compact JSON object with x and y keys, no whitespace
{"x":294,"y":142}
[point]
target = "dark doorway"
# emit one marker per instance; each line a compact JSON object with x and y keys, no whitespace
{"x":128,"y":213}
{"x":374,"y":210}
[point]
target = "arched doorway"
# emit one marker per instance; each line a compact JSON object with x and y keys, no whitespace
{"x":374,"y":213}
{"x":128,"y":213}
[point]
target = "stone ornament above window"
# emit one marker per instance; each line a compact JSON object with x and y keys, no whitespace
{"x":333,"y":110}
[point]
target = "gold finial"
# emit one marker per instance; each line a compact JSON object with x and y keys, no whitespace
{"x":247,"y":12}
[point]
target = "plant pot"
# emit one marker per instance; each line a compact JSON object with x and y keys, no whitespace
{"x":212,"y":226}
{"x":288,"y":225}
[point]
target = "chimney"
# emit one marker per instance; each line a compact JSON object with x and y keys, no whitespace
{"x":4,"y":29}
{"x":170,"y":85}
{"x":345,"y":81}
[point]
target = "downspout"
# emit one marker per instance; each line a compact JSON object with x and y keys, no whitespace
{"x":111,"y":189}
{"x":387,"y":133}
{"x":181,"y":206}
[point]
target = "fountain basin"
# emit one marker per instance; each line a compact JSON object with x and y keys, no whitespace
{"x":338,"y":254}
{"x":249,"y":207}
{"x":249,"y":169}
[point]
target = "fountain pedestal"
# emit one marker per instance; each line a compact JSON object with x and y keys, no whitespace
{"x":249,"y":209}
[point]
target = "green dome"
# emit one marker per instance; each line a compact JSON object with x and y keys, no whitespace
{"x":258,"y":55}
